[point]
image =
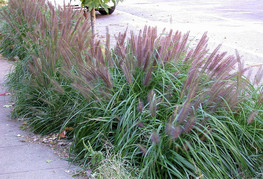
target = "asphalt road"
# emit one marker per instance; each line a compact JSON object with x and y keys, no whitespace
{"x":248,"y":10}
{"x":237,"y":24}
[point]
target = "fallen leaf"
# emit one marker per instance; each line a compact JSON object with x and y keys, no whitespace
{"x":48,"y":161}
{"x":68,"y":128}
{"x":7,"y":105}
{"x":62,"y":144}
{"x":4,"y":94}
{"x":62,"y":134}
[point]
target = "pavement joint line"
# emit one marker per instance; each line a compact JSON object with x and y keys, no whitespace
{"x":27,"y":171}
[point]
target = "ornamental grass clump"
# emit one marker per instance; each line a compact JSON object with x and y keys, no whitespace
{"x":169,"y":110}
{"x":172,"y":114}
{"x":44,"y":96}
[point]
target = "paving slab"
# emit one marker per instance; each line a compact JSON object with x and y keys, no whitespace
{"x":36,"y":174}
{"x":29,"y":157}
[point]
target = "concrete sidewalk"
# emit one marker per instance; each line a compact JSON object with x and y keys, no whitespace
{"x":20,"y":159}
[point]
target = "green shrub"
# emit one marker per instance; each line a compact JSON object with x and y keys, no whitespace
{"x":3,"y":2}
